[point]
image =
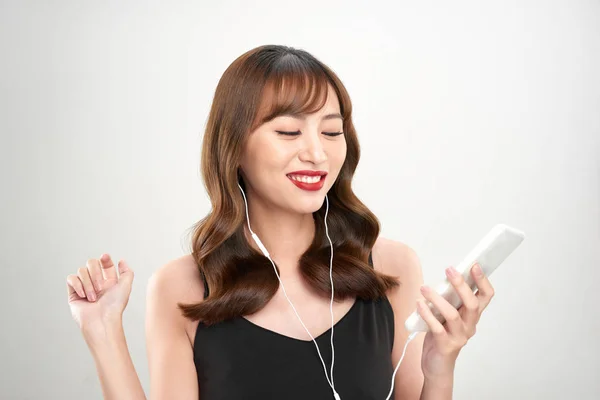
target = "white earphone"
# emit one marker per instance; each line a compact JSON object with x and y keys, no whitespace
{"x":263,"y":249}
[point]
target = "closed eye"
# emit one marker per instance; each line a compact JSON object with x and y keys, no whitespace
{"x":296,"y":133}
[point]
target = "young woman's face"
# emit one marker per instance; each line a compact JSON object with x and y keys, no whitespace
{"x":292,"y":162}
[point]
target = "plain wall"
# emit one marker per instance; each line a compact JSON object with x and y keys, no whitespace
{"x":469,"y":114}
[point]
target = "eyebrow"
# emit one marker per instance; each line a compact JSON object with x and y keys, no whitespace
{"x":303,"y":116}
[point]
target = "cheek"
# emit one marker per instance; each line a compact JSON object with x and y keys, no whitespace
{"x":337,"y":155}
{"x":264,"y":157}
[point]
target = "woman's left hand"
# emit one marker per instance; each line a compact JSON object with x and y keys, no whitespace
{"x":443,"y":342}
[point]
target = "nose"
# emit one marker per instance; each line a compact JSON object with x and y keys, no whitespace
{"x":312,"y":150}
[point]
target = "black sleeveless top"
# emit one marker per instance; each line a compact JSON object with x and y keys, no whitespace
{"x":239,"y":360}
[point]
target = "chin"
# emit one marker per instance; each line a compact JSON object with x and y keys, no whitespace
{"x":308,"y":204}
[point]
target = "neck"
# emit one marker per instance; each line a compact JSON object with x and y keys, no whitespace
{"x":285,"y":235}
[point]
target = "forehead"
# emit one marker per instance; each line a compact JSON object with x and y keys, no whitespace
{"x":332,"y":103}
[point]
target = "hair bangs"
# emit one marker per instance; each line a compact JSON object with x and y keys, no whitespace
{"x":294,"y":87}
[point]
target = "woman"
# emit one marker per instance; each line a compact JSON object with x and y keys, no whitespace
{"x":228,"y":322}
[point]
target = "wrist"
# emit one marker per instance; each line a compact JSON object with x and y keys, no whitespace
{"x":102,"y":331}
{"x":439,"y":368}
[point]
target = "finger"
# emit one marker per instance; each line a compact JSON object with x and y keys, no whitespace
{"x":95,"y":269}
{"x":86,"y":281}
{"x":485,"y":291}
{"x":123,"y":267}
{"x":470,"y":307}
{"x":74,"y":286}
{"x":108,"y":267}
{"x":450,"y":314}
{"x":432,"y":322}
{"x":125,"y":273}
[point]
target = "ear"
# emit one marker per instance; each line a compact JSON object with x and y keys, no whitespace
{"x":240,"y":177}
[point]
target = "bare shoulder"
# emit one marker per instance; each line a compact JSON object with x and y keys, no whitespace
{"x":396,"y":259}
{"x":178,"y":281}
{"x":401,"y":261}
{"x":168,"y":333}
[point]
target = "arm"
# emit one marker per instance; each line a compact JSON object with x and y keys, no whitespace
{"x":398,"y":260}
{"x":118,"y":378}
{"x":170,"y":354}
{"x":439,"y":390}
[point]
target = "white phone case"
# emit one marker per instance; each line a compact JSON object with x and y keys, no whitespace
{"x":490,"y":252}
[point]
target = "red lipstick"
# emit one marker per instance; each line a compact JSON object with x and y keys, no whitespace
{"x":308,"y":180}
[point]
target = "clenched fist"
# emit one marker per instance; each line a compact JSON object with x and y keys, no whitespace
{"x":97,"y":294}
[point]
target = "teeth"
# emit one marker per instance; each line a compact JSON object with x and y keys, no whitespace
{"x":306,"y":179}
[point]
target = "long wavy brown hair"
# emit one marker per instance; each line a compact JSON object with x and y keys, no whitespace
{"x":258,"y":86}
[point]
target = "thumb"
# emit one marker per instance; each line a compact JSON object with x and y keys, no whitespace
{"x":125,"y":273}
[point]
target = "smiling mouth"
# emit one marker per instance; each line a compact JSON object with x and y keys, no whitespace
{"x":308,"y":180}
{"x":305,"y":178}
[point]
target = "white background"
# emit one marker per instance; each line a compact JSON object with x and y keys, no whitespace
{"x":469,"y":113}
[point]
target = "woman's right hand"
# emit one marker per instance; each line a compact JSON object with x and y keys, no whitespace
{"x":97,"y":295}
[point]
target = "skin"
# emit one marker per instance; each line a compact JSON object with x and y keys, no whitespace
{"x":281,"y":215}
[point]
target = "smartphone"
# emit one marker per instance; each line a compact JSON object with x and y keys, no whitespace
{"x":490,"y":252}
